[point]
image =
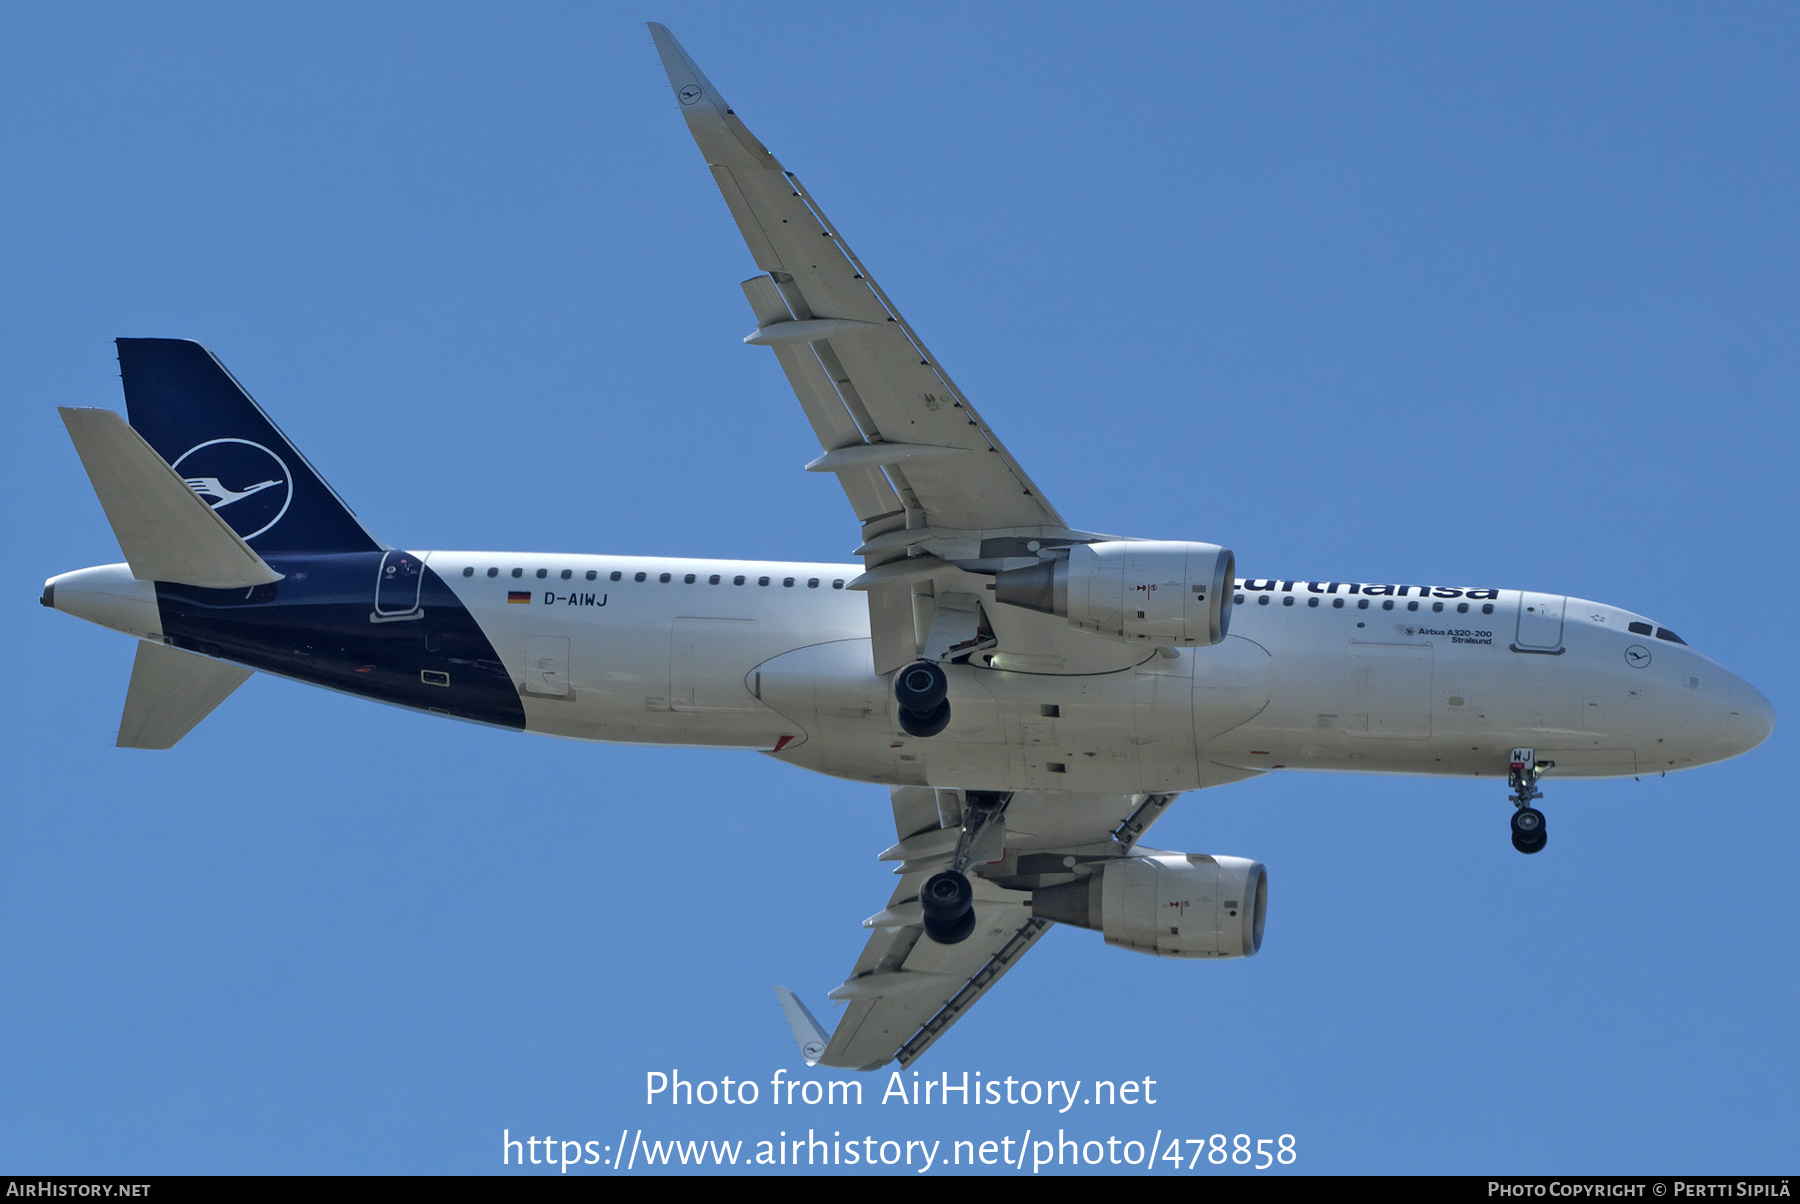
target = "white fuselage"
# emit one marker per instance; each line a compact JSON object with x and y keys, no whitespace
{"x":1311,"y":676}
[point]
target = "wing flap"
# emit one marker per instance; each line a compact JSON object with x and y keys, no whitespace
{"x":870,"y":494}
{"x":889,"y":382}
{"x":905,"y":981}
{"x":906,"y":990}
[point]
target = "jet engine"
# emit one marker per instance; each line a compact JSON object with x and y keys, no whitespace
{"x":1131,"y":589}
{"x":1167,"y":904}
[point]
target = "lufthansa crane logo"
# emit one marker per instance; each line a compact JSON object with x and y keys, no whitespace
{"x":246,"y":483}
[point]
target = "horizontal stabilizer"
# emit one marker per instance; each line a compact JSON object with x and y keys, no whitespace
{"x":166,"y":532}
{"x":809,"y":1034}
{"x":171,"y":691}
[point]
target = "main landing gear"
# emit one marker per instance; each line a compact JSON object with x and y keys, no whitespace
{"x":922,"y":690}
{"x":947,"y":900}
{"x":1528,"y":835}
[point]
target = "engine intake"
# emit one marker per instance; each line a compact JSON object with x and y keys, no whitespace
{"x":1157,"y":591}
{"x":1167,"y":904}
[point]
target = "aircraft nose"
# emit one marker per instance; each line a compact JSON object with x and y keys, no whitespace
{"x":1752,"y":718}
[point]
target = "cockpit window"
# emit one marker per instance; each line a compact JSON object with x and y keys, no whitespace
{"x":1639,"y":628}
{"x":1663,"y":633}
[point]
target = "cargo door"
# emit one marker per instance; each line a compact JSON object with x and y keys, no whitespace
{"x":708,"y":660}
{"x":1540,"y":622}
{"x":1388,"y":691}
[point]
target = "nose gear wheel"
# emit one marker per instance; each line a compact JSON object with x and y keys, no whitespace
{"x":1528,"y":834}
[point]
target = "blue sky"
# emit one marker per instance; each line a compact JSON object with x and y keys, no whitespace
{"x":1486,"y":294}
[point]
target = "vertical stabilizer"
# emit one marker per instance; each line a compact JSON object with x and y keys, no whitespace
{"x":214,"y":435}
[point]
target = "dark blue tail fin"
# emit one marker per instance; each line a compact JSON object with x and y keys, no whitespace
{"x":187,"y":406}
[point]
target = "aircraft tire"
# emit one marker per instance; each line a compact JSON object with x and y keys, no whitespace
{"x":924,"y":725}
{"x":953,"y":931}
{"x":1534,"y":845}
{"x":921,"y":686}
{"x":1528,"y":822}
{"x":948,"y":903}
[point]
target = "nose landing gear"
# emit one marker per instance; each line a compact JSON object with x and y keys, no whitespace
{"x":1528,"y":835}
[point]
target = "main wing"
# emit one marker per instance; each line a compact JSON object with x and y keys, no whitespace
{"x":906,"y":990}
{"x":925,"y":475}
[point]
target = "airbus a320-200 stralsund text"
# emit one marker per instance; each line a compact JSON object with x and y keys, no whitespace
{"x":1035,"y":696}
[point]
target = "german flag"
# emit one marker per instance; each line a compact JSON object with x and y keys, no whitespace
{"x":518,"y":595}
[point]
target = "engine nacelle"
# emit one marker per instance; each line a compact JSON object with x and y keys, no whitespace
{"x":1156,"y":591}
{"x":1167,"y":904}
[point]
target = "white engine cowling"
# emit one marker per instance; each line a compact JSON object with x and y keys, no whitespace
{"x":1157,"y":591}
{"x":1167,"y":904}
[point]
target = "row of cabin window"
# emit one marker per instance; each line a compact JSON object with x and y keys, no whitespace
{"x":689,"y":579}
{"x":1462,"y":608}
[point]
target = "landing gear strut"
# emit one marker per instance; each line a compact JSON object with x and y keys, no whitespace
{"x":947,"y":899}
{"x":1528,"y":835}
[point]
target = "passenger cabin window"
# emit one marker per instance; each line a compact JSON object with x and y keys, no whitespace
{"x":1238,"y":600}
{"x":567,"y":573}
{"x":1337,"y":604}
{"x":1362,"y":604}
{"x":664,"y":578}
{"x":518,"y":572}
{"x":1462,"y":608}
{"x":1412,"y":606}
{"x":1288,"y":601}
{"x":542,"y":573}
{"x":1487,"y":608}
{"x":689,"y":579}
{"x":713,"y":580}
{"x":1663,"y":633}
{"x":592,"y":573}
{"x":1437,"y":608}
{"x":1640,"y":629}
{"x":787,"y":582}
{"x":738,"y":580}
{"x":1387,"y":604}
{"x":1312,"y":601}
{"x":1262,"y":600}
{"x":469,"y":572}
{"x":812,"y":583}
{"x":762,"y":580}
{"x":637,"y":576}
{"x":493,"y":572}
{"x":838,"y":584}
{"x":616,"y":574}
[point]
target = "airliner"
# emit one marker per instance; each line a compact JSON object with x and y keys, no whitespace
{"x":1035,"y":696}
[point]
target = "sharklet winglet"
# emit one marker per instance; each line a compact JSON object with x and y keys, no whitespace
{"x":809,"y":1034}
